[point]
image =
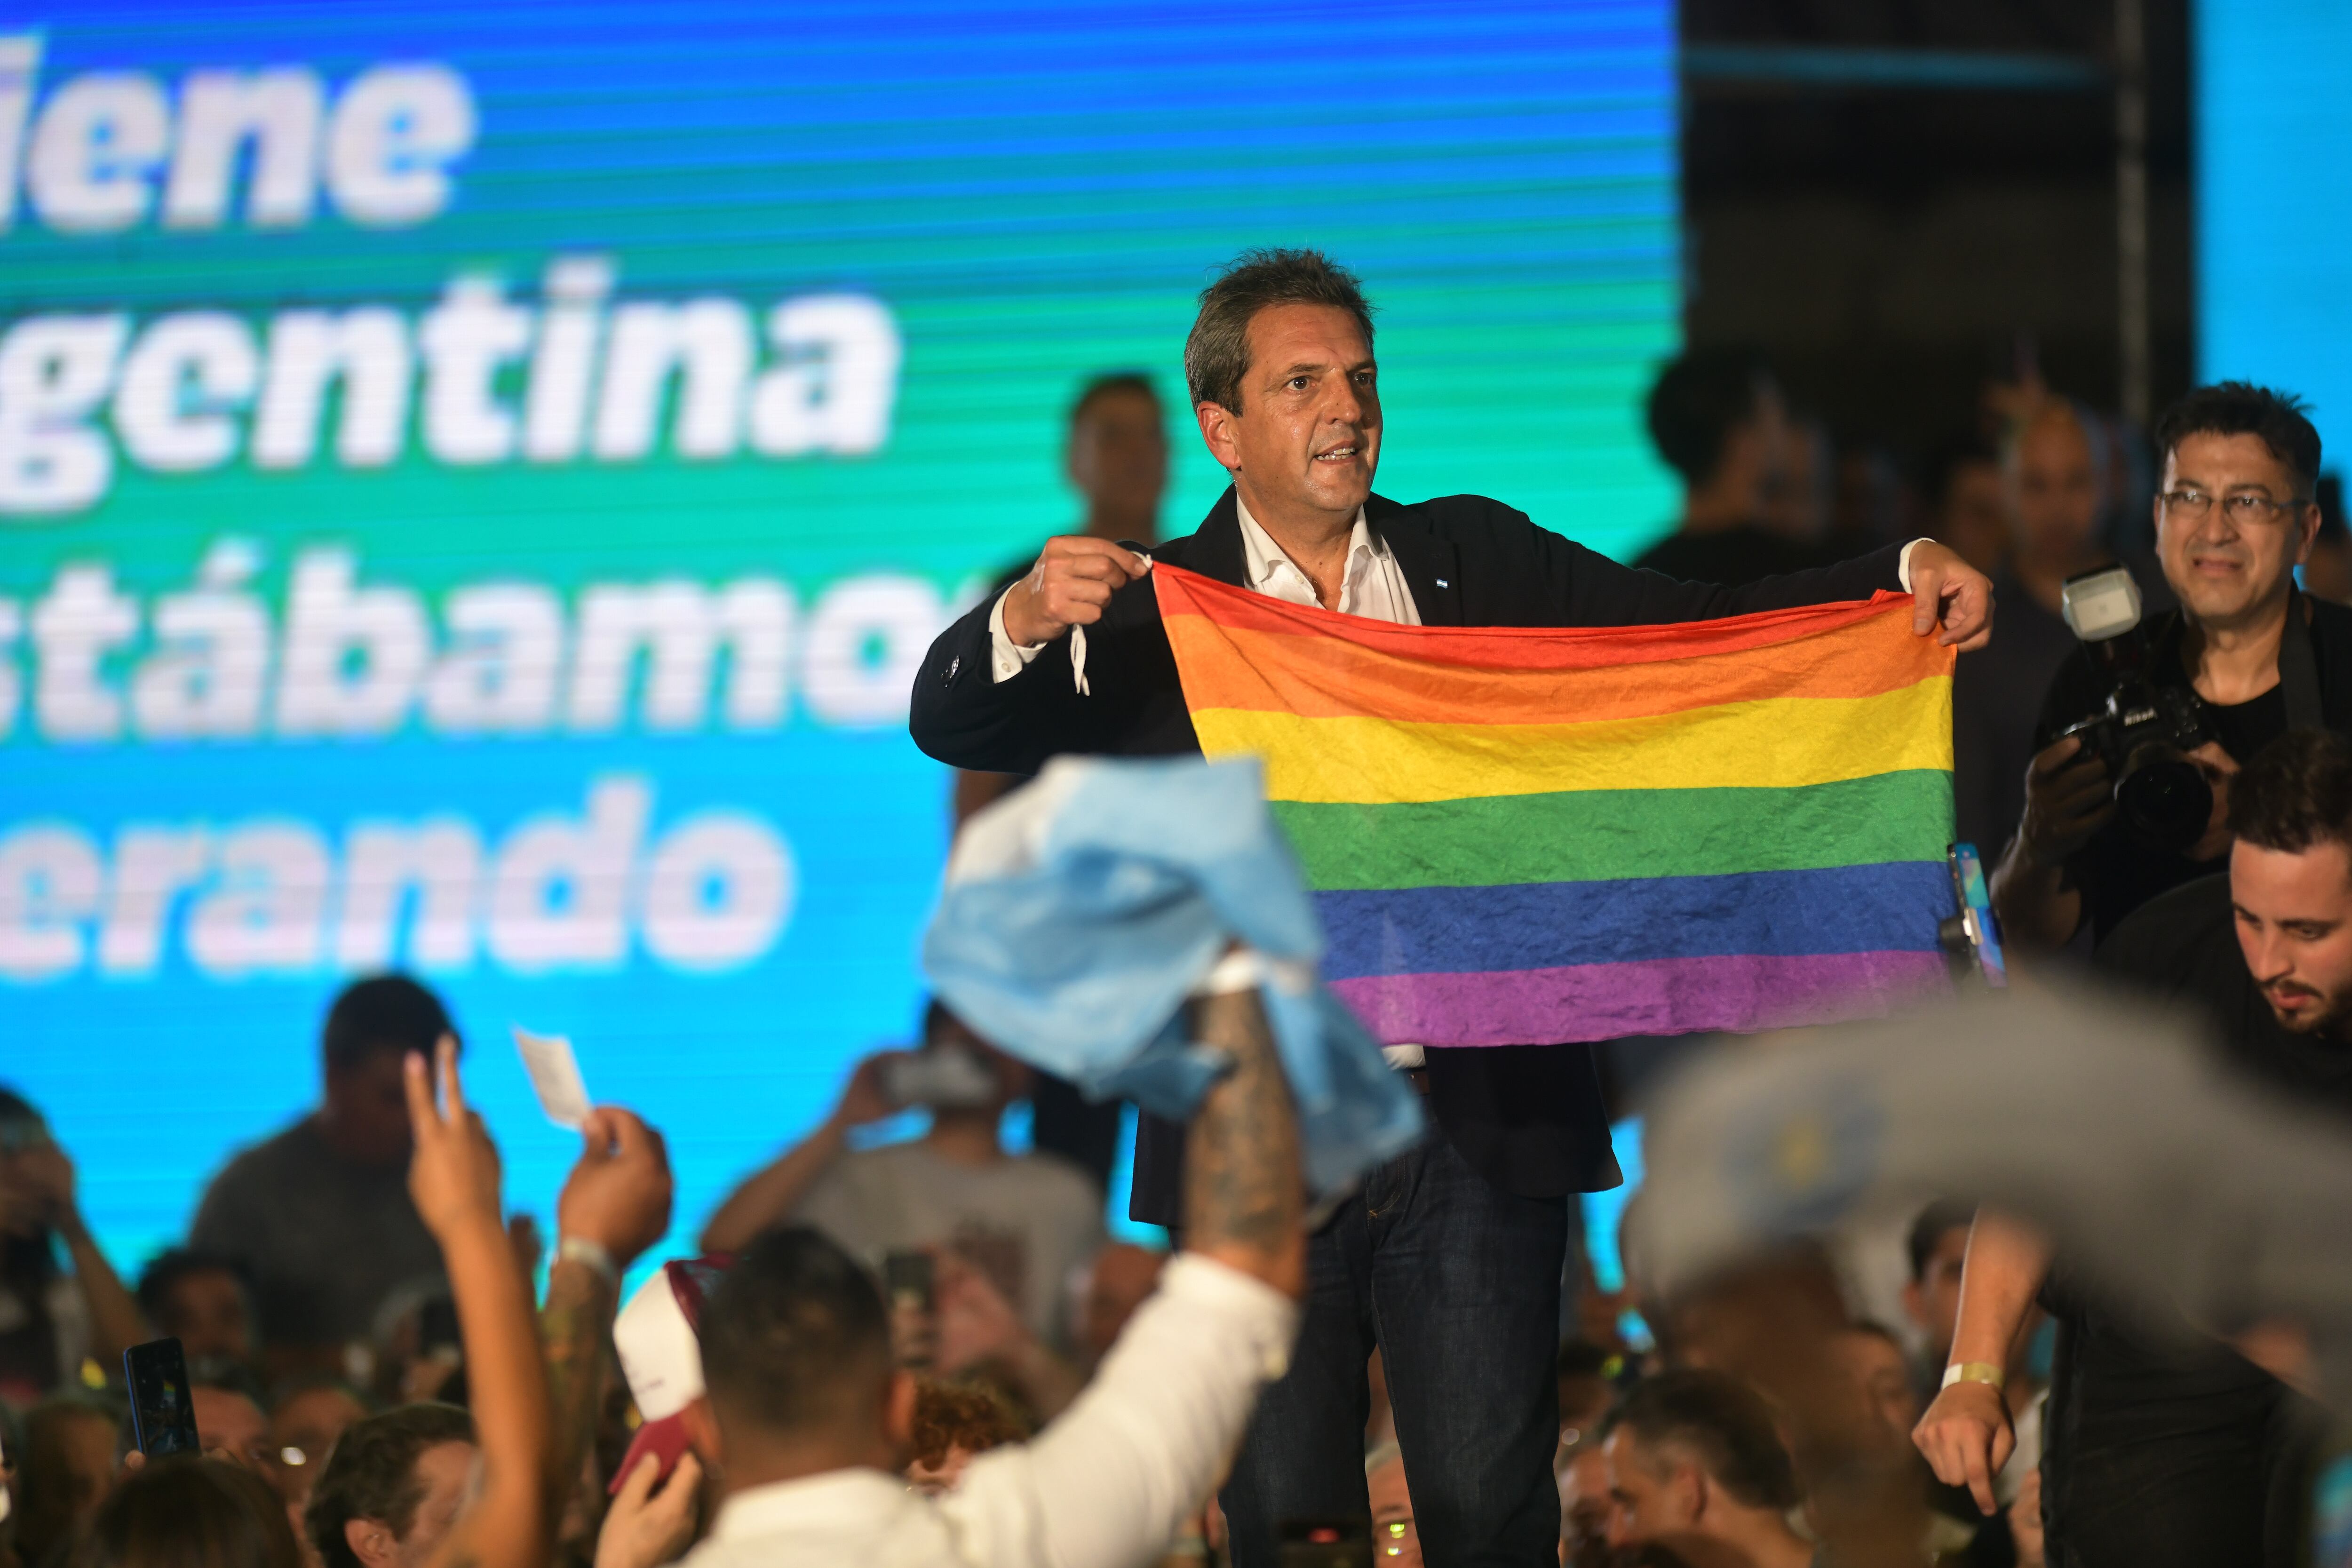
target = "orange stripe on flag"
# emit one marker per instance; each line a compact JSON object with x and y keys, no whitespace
{"x":1513,"y":648}
{"x":1323,"y":677}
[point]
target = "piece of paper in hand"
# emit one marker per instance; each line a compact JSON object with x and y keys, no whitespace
{"x":555,"y":1074}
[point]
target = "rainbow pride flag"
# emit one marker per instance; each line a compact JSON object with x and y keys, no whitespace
{"x":1528,"y":835}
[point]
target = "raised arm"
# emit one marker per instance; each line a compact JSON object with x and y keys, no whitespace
{"x":770,"y":1195}
{"x":1110,"y":1481}
{"x":1244,"y":1200}
{"x":1967,"y":1433}
{"x":978,"y":1328}
{"x":997,"y":691}
{"x":614,"y":1204}
{"x":1945,"y":590}
{"x":114,"y":1318}
{"x":454,"y":1178}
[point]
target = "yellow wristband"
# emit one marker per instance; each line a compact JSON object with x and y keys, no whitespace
{"x":1976,"y":1372}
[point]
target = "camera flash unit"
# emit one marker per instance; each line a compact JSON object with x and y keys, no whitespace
{"x":2101,"y":605}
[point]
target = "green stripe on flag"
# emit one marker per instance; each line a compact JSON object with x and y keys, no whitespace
{"x":1583,"y":836}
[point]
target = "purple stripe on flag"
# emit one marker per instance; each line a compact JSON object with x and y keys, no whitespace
{"x":1643,"y":996}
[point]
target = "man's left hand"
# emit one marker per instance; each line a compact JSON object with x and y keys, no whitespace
{"x":618,"y":1196}
{"x":1947,"y":589}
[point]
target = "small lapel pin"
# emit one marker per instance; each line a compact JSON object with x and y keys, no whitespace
{"x":1443,"y":584}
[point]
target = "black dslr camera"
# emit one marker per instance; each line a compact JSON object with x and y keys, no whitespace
{"x":2146,"y":731}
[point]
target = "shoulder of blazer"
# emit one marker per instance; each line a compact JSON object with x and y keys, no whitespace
{"x":1484,"y":528}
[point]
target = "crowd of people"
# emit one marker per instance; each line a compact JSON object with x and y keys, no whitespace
{"x":932,"y":1351}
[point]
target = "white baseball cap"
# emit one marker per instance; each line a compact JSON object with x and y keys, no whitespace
{"x":657,"y":1338}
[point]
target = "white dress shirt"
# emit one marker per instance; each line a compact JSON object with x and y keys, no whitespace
{"x":1106,"y":1486}
{"x":1372,"y":584}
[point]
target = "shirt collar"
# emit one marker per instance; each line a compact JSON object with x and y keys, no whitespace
{"x":859,"y":1497}
{"x":1261,"y":558}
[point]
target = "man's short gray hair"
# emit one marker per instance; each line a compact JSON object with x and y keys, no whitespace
{"x":1216,"y":354}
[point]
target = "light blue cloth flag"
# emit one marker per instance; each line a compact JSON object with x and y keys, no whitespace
{"x":1080,"y":912}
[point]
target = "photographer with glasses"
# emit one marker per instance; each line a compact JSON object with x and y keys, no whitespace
{"x":2144,"y":724}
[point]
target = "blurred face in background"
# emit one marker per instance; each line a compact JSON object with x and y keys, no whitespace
{"x":366,"y":1116}
{"x":1934,"y":1298}
{"x":1881,"y":1381}
{"x":2295,"y":925}
{"x":1014,"y":1078}
{"x":235,"y":1426}
{"x":1973,"y":517}
{"x":63,"y":1476}
{"x":1118,"y":460}
{"x":2054,"y":490}
{"x":1587,"y":1512}
{"x":1653,"y":1496}
{"x":2230,"y":562}
{"x":1790,"y":458}
{"x":25,"y":1199}
{"x":206,"y":1310}
{"x":303,"y":1433}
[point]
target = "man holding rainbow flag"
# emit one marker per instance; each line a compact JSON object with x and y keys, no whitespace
{"x":1521,"y":829}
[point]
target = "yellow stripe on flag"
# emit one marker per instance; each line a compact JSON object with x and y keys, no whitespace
{"x":1778,"y":742}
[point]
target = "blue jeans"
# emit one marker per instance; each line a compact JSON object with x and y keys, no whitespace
{"x":1457,"y":1282}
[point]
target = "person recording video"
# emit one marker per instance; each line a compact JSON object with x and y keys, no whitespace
{"x":2146,"y":721}
{"x":1028,"y":1221}
{"x":2156,"y":1454}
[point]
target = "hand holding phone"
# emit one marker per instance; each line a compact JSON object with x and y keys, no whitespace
{"x":910,"y":1285}
{"x":163,"y":1402}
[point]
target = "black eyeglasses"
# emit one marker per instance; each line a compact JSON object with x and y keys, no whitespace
{"x":2192,"y":505}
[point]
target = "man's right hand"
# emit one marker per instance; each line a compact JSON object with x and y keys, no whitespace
{"x":1069,"y":586}
{"x":866,"y":1098}
{"x":1967,"y":1438}
{"x":2068,"y":798}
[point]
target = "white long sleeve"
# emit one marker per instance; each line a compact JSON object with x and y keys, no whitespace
{"x":1108,"y":1483}
{"x":1104,"y":1487}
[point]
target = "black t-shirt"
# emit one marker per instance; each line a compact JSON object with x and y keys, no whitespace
{"x":2156,"y":1454}
{"x":2116,"y":871}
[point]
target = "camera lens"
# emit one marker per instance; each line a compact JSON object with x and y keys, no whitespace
{"x":2164,"y":798}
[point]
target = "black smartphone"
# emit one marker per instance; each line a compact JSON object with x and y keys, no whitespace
{"x":908,"y":1280}
{"x":1324,"y":1542}
{"x":162,"y":1405}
